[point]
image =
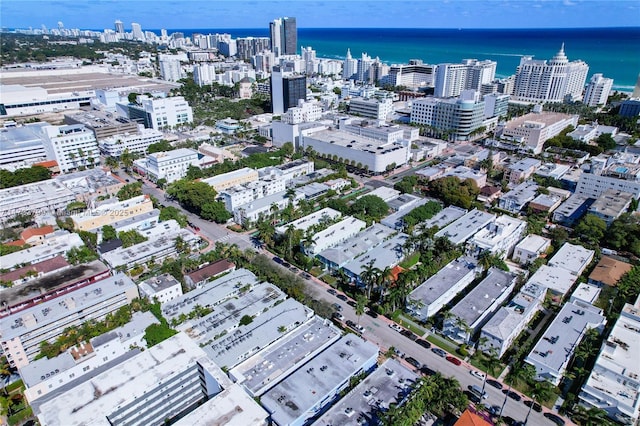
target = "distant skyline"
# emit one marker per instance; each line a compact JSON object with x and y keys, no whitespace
{"x":237,"y":14}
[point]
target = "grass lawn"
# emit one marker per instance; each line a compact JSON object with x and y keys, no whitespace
{"x":329,"y":280}
{"x":478,"y":362}
{"x":442,"y":344}
{"x":409,"y":262}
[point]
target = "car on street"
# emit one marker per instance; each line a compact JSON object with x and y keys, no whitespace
{"x":398,"y":352}
{"x":350,"y":324}
{"x":342,"y":297}
{"x":372,"y":313}
{"x":494,"y":410}
{"x":332,"y":292}
{"x":427,"y":371}
{"x":396,"y":327}
{"x":338,"y":316}
{"x":477,"y":390}
{"x":414,"y":362}
{"x":513,"y":395}
{"x":337,"y":306}
{"x":351,"y":303}
{"x":454,"y":360}
{"x":536,"y":407}
{"x":409,"y":334}
{"x":277,"y":259}
{"x":359,"y":328}
{"x":423,"y":343}
{"x":509,"y":421}
{"x":554,"y":418}
{"x":439,"y":352}
{"x":496,"y":384}
{"x":473,"y":397}
{"x":476,"y":374}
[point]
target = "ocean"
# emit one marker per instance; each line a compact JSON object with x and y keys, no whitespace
{"x":613,"y":52}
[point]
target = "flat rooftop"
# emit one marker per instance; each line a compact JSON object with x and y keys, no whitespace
{"x":618,"y":359}
{"x":41,"y":287}
{"x":586,"y":293}
{"x":546,"y":118}
{"x":364,"y":241}
{"x":355,"y":142}
{"x":266,"y":368}
{"x":445,"y":217}
{"x":477,"y":301}
{"x":20,"y":198}
{"x":336,"y":233}
{"x":433,"y":288}
{"x":232,"y":406}
{"x":554,"y":278}
{"x":316,"y":218}
{"x":266,"y":328}
{"x":388,"y":384}
{"x":308,"y":386}
{"x":572,"y":257}
{"x":52,"y":310}
{"x":236,"y":174}
{"x":464,"y":228}
{"x":555,"y":348}
{"x":533,"y":243}
{"x":89,"y":181}
{"x":92,"y":401}
{"x":387,"y":254}
{"x":66,"y":83}
{"x":210,"y":294}
{"x":161,"y":282}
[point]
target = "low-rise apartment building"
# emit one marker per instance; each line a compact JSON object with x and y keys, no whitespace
{"x":111,"y":212}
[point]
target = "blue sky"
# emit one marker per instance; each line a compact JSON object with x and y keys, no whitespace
{"x":221,"y":14}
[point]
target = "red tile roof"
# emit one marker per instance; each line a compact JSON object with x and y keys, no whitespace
{"x":31,"y":232}
{"x":43,"y":267}
{"x":49,"y":163}
{"x":210,"y":270}
{"x":471,"y":419}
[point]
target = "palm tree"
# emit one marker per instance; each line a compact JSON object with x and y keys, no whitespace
{"x":541,"y":392}
{"x":361,"y":303}
{"x":588,"y":416}
{"x":369,"y":277}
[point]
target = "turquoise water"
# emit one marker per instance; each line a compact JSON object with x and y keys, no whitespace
{"x":614,"y":52}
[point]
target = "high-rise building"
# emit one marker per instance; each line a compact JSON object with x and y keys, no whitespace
{"x":350,"y":66}
{"x":250,"y":46}
{"x":415,"y":74}
{"x":452,"y":79}
{"x":284,"y":36}
{"x":119,"y":26}
{"x":364,"y":67}
{"x":310,"y":61}
{"x":552,"y":81}
{"x":455,"y":118}
{"x":136,"y":31}
{"x":286,"y":90}
{"x":204,"y":74}
{"x":170,"y":69}
{"x":597,"y":91}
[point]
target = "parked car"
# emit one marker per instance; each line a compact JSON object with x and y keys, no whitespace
{"x":472,"y":397}
{"x":477,"y":374}
{"x":351,"y":303}
{"x":359,"y":328}
{"x":478,"y":391}
{"x":337,"y":306}
{"x":396,"y":327}
{"x":494,"y":410}
{"x":554,"y":418}
{"x":414,"y":362}
{"x":513,"y":395}
{"x":409,"y":334}
{"x":427,"y":371}
{"x":423,"y":343}
{"x":439,"y":352}
{"x":338,"y":316}
{"x":536,"y":407}
{"x":332,"y":292}
{"x":453,"y":360}
{"x":350,"y":324}
{"x":496,"y":384}
{"x":342,"y":297}
{"x":372,"y":313}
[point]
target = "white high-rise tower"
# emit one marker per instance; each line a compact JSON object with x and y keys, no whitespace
{"x":553,"y":81}
{"x":597,"y":91}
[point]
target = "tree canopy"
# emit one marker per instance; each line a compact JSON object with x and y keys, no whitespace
{"x":23,"y":176}
{"x":129,"y":191}
{"x":370,"y":206}
{"x":453,"y":191}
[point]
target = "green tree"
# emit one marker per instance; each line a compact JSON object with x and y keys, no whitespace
{"x":170,"y":212}
{"x":129,"y":191}
{"x":215,"y":210}
{"x":131,"y":237}
{"x":192,"y":195}
{"x":361,"y":304}
{"x":370,"y":206}
{"x":127,"y":159}
{"x":78,"y":255}
{"x":606,"y":141}
{"x":591,"y":229}
{"x":157,"y":333}
{"x":109,"y":233}
{"x":453,"y":191}
{"x":162,"y":146}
